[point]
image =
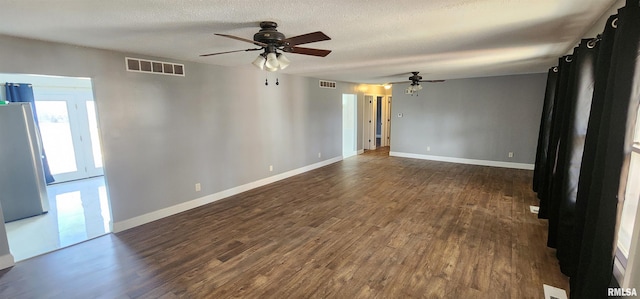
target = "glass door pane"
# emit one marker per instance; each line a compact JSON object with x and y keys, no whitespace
{"x":53,"y":118}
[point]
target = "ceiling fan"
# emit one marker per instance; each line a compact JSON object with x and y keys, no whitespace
{"x":270,"y":41}
{"x":415,"y":80}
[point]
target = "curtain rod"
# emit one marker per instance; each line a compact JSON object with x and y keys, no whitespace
{"x":51,"y":86}
{"x":5,"y":84}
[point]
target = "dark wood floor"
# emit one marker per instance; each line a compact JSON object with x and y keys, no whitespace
{"x":369,"y":226}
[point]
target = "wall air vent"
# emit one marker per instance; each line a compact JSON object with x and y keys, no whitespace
{"x":327,"y":84}
{"x":155,"y":67}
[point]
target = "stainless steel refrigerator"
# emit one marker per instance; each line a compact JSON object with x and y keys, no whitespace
{"x":23,"y":191}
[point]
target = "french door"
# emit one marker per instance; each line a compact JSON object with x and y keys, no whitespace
{"x":69,"y":130}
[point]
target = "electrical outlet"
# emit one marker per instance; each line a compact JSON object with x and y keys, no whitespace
{"x":428,"y":148}
{"x":198,"y":187}
{"x":319,"y":155}
{"x":510,"y":154}
{"x":270,"y":167}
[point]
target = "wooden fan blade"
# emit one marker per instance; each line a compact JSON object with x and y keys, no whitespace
{"x":312,"y":37}
{"x":307,"y":51}
{"x":432,"y":81}
{"x":211,"y":54}
{"x":242,"y":39}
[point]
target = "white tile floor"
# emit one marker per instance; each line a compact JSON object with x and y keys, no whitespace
{"x":78,"y":211}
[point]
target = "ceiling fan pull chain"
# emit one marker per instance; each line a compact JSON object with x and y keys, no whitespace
{"x":266,"y":82}
{"x":277,"y":83}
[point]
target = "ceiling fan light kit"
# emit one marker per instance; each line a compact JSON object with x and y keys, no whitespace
{"x":414,"y":88}
{"x":271,"y":62}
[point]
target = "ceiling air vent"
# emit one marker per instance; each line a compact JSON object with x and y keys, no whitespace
{"x":155,"y":67}
{"x":327,"y":84}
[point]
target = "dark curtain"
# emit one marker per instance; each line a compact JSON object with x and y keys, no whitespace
{"x":621,"y":98}
{"x":545,"y":128}
{"x":560,"y":99}
{"x":570,"y":149}
{"x":563,"y":126}
{"x":22,"y":92}
{"x":603,"y":66}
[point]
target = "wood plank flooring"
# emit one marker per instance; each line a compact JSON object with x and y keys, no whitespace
{"x":370,"y":226}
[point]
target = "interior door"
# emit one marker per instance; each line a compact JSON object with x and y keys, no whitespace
{"x":387,"y":122}
{"x":372,"y":123}
{"x":369,"y":132}
{"x":68,"y":127}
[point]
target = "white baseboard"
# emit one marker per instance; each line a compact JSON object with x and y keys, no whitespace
{"x":7,"y":261}
{"x":179,"y":208}
{"x":464,"y":161}
{"x":360,"y":152}
{"x":351,"y":154}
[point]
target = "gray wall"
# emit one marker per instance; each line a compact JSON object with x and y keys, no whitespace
{"x":478,"y":118}
{"x":217,"y":126}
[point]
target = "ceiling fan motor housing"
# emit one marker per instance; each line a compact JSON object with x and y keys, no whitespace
{"x":415,"y":77}
{"x":268,"y":34}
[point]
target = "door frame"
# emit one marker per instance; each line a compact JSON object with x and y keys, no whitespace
{"x":353,"y":100}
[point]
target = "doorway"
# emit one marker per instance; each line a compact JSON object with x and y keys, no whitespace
{"x":378,"y":129}
{"x":349,"y":125}
{"x":79,"y":207}
{"x":368,"y":134}
{"x":377,"y":132}
{"x":69,"y":129}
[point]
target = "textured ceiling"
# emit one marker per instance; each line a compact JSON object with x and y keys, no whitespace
{"x":373,"y":41}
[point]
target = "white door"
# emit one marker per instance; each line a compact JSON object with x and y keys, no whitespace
{"x":69,"y":130}
{"x":369,"y":133}
{"x":387,"y":122}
